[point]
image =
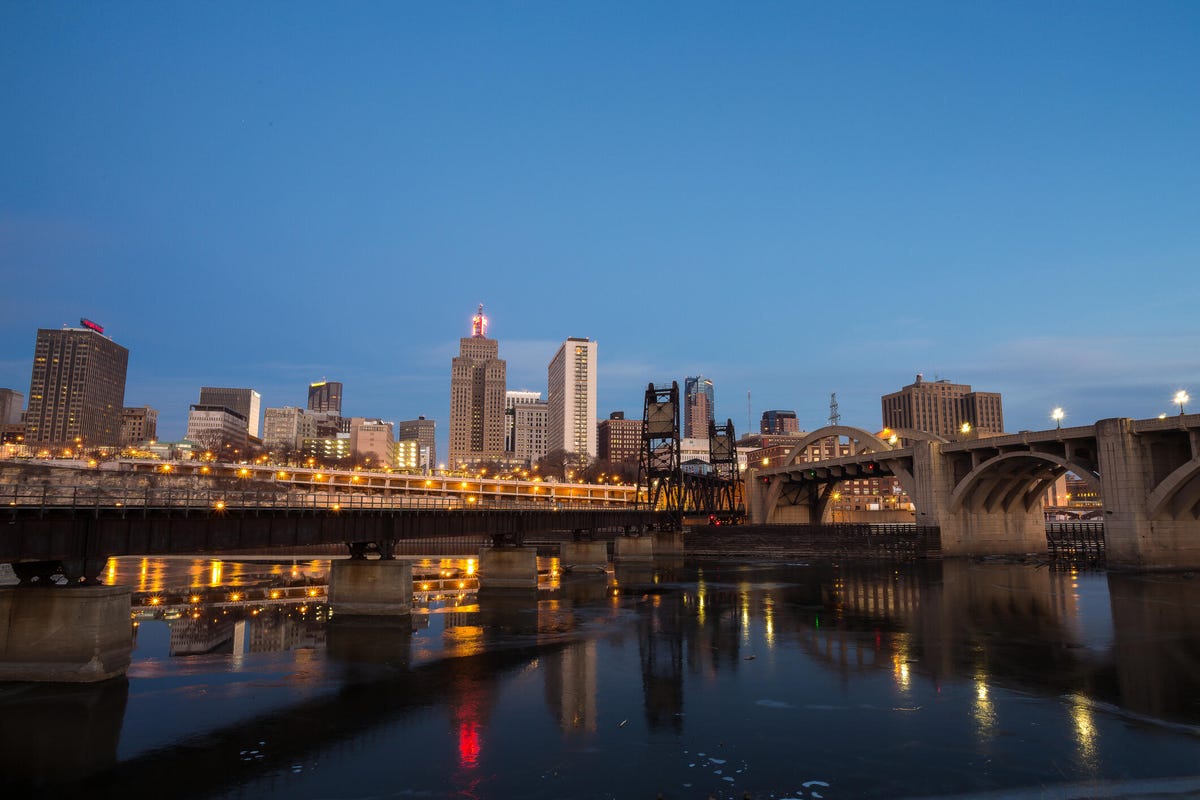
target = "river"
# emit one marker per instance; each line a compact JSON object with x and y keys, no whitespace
{"x":686,"y":679}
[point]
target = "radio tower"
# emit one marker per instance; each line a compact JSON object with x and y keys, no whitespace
{"x":834,"y":417}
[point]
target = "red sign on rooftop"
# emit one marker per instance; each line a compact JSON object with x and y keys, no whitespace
{"x":87,"y":323}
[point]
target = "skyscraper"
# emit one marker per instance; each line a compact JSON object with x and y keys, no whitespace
{"x":77,"y":388}
{"x":477,"y":382}
{"x":941,"y":407}
{"x":697,"y":407}
{"x":571,"y":399}
{"x":325,"y":396}
{"x":244,"y":401}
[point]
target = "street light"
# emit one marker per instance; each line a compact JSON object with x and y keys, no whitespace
{"x":1057,"y":415}
{"x":1181,"y":397}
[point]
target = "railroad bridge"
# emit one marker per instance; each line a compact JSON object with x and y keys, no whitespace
{"x":985,"y":494}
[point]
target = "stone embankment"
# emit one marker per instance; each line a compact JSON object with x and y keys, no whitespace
{"x":55,"y":479}
{"x":792,"y":541}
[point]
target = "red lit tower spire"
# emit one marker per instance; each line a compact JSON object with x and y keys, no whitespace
{"x":479,"y":324}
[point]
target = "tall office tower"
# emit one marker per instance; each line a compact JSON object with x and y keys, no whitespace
{"x":477,"y":376}
{"x":941,"y":407}
{"x":779,"y":423}
{"x":285,"y":429}
{"x":620,"y":439}
{"x":697,"y":407}
{"x":139,"y":425}
{"x":529,"y":433}
{"x":571,"y":399}
{"x":244,"y":401}
{"x":512,"y":399}
{"x":325,"y":396}
{"x":12,"y":403}
{"x":423,"y":432}
{"x":77,"y":388}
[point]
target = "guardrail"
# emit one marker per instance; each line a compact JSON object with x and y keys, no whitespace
{"x":82,"y":498}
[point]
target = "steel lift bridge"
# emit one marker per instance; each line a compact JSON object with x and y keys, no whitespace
{"x":665,"y":485}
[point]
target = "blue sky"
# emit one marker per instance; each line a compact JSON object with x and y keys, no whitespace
{"x":792,"y":198}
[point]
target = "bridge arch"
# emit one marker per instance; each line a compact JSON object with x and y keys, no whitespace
{"x":1178,"y":495}
{"x":1008,"y":478}
{"x":864,"y":441}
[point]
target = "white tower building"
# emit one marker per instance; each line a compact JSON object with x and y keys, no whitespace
{"x":571,"y":398}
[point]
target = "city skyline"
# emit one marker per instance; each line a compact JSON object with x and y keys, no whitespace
{"x":998,"y":196}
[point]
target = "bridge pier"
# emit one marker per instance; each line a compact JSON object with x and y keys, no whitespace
{"x":968,"y":530}
{"x":375,"y":588}
{"x":508,"y":568}
{"x":1132,"y":469}
{"x":77,"y":634}
{"x":583,"y":555}
{"x":633,"y":548}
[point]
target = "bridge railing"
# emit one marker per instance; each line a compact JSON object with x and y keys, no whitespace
{"x":80,"y":498}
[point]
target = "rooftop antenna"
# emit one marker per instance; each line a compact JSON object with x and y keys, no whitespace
{"x":479,"y":324}
{"x":834,"y":417}
{"x":749,"y":414}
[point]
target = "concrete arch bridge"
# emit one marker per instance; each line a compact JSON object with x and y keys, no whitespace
{"x":985,"y":494}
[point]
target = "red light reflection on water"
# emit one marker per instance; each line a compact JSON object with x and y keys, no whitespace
{"x":468,"y":744}
{"x":469,"y":707}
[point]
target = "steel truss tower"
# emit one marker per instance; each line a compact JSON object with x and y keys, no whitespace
{"x":727,"y":497}
{"x":660,"y":471}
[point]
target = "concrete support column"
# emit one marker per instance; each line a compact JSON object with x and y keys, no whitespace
{"x":638,"y":548}
{"x":508,"y":568}
{"x":967,"y":531}
{"x":755,"y":496}
{"x":583,"y":555}
{"x":361,"y":587}
{"x":60,"y":634}
{"x":1132,"y":538}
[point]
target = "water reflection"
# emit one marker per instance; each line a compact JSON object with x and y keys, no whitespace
{"x":955,"y":664}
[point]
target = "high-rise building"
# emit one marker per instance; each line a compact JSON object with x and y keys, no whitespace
{"x":529,"y":433}
{"x":619,"y":440}
{"x":285,"y":428}
{"x":325,"y":396}
{"x":698,"y":407}
{"x":77,"y":388}
{"x":246,"y":402}
{"x":571,"y":399}
{"x":214,"y":427}
{"x":941,"y":408}
{"x":139,"y":425}
{"x":423,"y":432}
{"x":12,"y":405}
{"x":477,"y":383}
{"x":512,"y":399}
{"x":779,"y":423}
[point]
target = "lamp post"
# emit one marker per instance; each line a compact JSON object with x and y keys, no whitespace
{"x":1181,"y":397}
{"x":1057,"y":415}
